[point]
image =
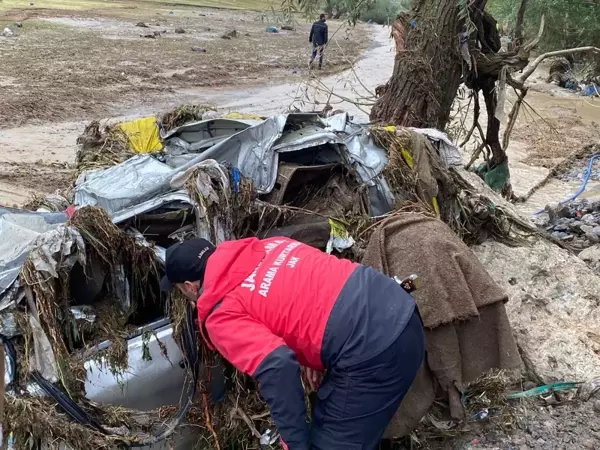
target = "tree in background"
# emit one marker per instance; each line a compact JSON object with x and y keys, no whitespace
{"x":574,"y":23}
{"x":335,"y":8}
{"x":384,"y":11}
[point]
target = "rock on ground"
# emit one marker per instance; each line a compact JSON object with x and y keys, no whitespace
{"x":553,"y":307}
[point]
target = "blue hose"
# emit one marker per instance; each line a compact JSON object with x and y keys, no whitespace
{"x":586,"y":178}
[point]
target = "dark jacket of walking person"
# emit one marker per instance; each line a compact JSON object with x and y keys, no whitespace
{"x":319,"y":36}
{"x":271,"y":306}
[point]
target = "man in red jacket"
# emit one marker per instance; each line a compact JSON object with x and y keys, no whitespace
{"x":271,"y":306}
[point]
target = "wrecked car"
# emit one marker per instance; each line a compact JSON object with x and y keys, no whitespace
{"x":99,"y":356}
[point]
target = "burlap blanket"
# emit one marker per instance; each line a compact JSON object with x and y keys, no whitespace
{"x":467,"y":330}
{"x":455,"y":284}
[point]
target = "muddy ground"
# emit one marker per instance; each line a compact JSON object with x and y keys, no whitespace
{"x":536,"y":426}
{"x":66,"y":67}
{"x":78,"y":64}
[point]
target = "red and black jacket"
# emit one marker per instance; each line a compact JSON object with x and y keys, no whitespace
{"x":270,"y":306}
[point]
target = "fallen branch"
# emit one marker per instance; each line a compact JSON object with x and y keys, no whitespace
{"x":209,"y":424}
{"x":244,"y":417}
{"x":475,"y":155}
{"x":534,"y":65}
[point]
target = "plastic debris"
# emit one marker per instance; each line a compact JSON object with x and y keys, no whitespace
{"x":481,"y":415}
{"x":84,"y":312}
{"x":545,"y":390}
{"x":339,"y":239}
{"x":268,"y":438}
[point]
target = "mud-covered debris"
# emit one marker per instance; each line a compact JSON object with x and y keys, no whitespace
{"x":179,"y":31}
{"x":591,"y":255}
{"x":577,"y":222}
{"x":199,"y":49}
{"x":148,"y":36}
{"x":8,"y":33}
{"x":231,"y":35}
{"x":288,"y":28}
{"x":141,"y":25}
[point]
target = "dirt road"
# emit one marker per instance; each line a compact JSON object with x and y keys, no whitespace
{"x":37,"y":155}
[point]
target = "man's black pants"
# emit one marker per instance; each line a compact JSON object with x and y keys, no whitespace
{"x":317,"y":51}
{"x":356,"y":405}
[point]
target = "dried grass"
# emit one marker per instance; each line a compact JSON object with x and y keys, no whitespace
{"x":101,"y":147}
{"x":183,"y":114}
{"x":471,"y":215}
{"x":114,"y":247}
{"x":486,"y":396}
{"x":32,"y":419}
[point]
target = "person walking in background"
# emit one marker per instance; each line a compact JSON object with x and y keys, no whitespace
{"x":318,"y":37}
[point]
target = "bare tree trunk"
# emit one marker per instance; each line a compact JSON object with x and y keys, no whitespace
{"x":519,"y":29}
{"x":428,"y":72}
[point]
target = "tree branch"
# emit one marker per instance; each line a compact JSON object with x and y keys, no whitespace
{"x":530,"y":46}
{"x":512,"y":118}
{"x":534,"y":65}
{"x":475,"y":119}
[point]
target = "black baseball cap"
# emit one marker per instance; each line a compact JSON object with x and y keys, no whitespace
{"x":186,"y":261}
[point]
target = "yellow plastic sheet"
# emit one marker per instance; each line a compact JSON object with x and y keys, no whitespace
{"x":143,"y":135}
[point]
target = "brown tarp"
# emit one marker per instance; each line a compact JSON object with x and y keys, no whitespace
{"x":467,"y":329}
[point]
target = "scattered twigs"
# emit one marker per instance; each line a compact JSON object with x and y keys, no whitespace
{"x":293,"y":209}
{"x":558,"y":168}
